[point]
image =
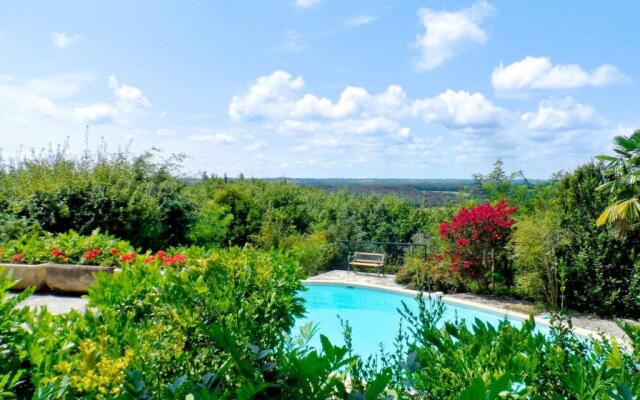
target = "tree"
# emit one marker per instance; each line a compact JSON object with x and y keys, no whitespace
{"x":622,"y":174}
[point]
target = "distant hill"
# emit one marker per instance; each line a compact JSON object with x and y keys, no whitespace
{"x":430,"y":192}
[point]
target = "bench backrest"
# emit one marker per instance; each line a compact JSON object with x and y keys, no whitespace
{"x":370,"y":257}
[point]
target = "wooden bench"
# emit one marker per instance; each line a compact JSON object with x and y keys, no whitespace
{"x":368,"y":260}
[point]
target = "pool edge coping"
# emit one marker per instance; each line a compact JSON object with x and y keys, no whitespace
{"x":503,"y":312}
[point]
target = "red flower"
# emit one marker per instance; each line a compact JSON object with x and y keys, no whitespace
{"x":114,"y":252}
{"x":17,"y":257}
{"x":56,"y":252}
{"x":128,"y":257}
{"x":149,"y":260}
{"x":173,"y":260}
{"x":91,"y":254}
{"x":462,"y":242}
{"x":161,"y":253}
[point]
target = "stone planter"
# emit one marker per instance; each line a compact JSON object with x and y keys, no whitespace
{"x":26,"y":275}
{"x":72,"y":278}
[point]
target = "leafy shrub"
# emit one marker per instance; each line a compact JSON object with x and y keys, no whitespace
{"x":534,"y":242}
{"x":211,"y":225}
{"x":15,"y":339}
{"x":481,"y":361}
{"x":477,"y":239}
{"x":431,"y":274}
{"x":602,"y":272}
{"x":131,"y":197}
{"x":311,"y":251}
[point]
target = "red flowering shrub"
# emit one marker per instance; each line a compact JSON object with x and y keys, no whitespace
{"x":17,"y":257}
{"x":477,"y":237}
{"x":56,"y":252}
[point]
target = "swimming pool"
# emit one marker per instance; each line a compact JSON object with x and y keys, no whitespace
{"x":372,"y":314}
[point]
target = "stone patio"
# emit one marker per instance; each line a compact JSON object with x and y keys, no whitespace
{"x":55,"y":303}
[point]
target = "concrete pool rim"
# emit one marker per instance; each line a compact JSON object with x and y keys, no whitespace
{"x":498,"y":311}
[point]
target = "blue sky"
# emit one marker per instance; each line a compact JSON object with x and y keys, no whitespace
{"x":324,"y":88}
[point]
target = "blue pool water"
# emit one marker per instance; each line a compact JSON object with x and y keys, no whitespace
{"x":372,"y":315}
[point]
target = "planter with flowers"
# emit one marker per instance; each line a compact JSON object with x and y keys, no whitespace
{"x":26,"y":275}
{"x":64,"y":262}
{"x":68,"y":262}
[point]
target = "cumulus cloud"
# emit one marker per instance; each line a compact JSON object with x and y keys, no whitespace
{"x":266,"y":96}
{"x":39,"y":97}
{"x":129,"y":99}
{"x":128,"y":94}
{"x":446,"y":33}
{"x":564,"y":114}
{"x":100,"y":113}
{"x":539,"y":73}
{"x":459,"y":110}
{"x":62,"y":40}
{"x":278,"y":98}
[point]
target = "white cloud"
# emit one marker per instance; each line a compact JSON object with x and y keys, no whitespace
{"x":41,"y":105}
{"x":128,"y":94}
{"x":266,"y":96}
{"x":277,"y":97}
{"x":564,"y":114}
{"x":220,"y":138}
{"x":447,"y":33}
{"x":41,"y":97}
{"x":458,"y":110}
{"x":361,"y":20}
{"x":62,"y":40}
{"x":101,"y":113}
{"x":129,"y":100}
{"x":307,"y":3}
{"x":538,"y":73}
{"x":58,"y":86}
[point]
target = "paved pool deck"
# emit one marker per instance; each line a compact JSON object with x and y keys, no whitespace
{"x":54,"y":302}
